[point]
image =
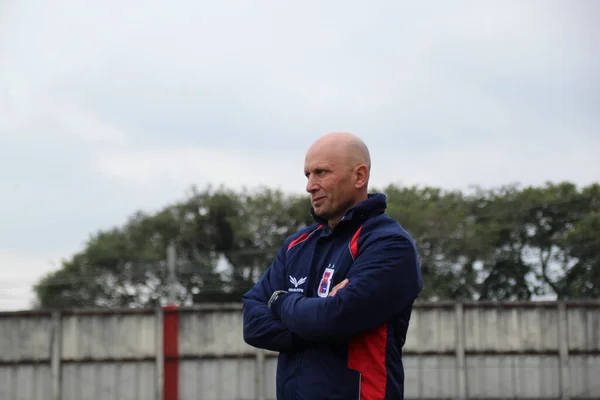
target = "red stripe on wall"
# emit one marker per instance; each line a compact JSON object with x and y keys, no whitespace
{"x":171,"y":352}
{"x":366,"y":354}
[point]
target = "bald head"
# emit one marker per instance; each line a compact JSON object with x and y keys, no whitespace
{"x":337,"y":166}
{"x":348,"y":145}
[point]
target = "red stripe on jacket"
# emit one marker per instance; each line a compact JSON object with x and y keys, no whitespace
{"x":366,"y":352}
{"x":354,"y":243}
{"x":303,"y":237}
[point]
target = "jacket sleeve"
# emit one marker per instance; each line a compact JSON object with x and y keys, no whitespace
{"x":384,"y":279}
{"x":261,"y":329}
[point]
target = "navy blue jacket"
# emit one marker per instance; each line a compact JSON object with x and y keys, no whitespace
{"x":347,"y":346}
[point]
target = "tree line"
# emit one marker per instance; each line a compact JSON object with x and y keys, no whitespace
{"x":506,"y":243}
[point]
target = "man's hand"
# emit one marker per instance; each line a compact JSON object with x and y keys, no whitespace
{"x":339,"y":286}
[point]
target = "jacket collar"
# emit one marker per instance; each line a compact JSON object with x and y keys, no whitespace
{"x":375,"y":204}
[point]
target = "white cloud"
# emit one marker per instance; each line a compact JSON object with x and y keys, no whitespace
{"x":116,"y":107}
{"x":184,"y":166}
{"x":83,"y":124}
{"x":20,"y":272}
{"x":37,"y":114}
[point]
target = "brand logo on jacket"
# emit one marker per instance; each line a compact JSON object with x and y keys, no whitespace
{"x":325,"y":283}
{"x":296,"y":283}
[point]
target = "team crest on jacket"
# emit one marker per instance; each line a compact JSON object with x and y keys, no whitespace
{"x":325,"y":283}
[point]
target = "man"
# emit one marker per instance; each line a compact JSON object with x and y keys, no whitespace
{"x":336,"y":301}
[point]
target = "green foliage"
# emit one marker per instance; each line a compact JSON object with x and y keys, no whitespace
{"x":505,"y":243}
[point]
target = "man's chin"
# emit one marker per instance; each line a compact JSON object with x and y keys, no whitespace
{"x":318,"y":211}
{"x":321,"y":213}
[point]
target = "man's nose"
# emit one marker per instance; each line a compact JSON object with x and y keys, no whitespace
{"x":311,"y":186}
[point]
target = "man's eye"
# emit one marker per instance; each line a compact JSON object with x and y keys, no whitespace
{"x":316,"y":172}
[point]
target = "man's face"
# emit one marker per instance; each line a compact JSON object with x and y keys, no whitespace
{"x":330,"y":183}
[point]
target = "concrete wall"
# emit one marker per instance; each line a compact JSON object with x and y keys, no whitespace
{"x":478,"y":350}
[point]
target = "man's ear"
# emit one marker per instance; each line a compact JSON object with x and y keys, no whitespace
{"x":361,"y":174}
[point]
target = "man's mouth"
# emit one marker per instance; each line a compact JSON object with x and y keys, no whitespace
{"x":318,"y":199}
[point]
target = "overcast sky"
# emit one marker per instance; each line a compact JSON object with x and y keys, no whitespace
{"x":110,"y":107}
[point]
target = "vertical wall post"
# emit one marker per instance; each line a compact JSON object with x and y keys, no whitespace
{"x":563,"y":351}
{"x":172,"y":278}
{"x":170,"y":333}
{"x":171,"y":353}
{"x":461,"y":363}
{"x":159,"y":353}
{"x":56,"y":354}
{"x":260,"y":374}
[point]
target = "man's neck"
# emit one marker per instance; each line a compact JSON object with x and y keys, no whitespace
{"x":335,"y":221}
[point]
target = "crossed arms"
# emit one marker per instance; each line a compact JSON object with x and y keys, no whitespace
{"x":384,"y":279}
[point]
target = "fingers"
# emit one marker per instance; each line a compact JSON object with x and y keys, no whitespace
{"x":339,"y":286}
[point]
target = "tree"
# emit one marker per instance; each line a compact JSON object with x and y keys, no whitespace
{"x":444,"y":235}
{"x":224,"y":240}
{"x":581,"y":277}
{"x":504,"y":243}
{"x":532,"y":233}
{"x":499,"y":217}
